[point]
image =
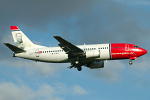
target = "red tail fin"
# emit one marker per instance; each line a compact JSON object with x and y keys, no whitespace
{"x":14,"y":28}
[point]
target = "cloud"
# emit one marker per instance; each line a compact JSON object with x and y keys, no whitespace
{"x":113,"y":71}
{"x":41,"y":13}
{"x":137,"y":2}
{"x":42,"y":69}
{"x":9,"y":90}
{"x":142,"y":64}
{"x":110,"y":73}
{"x":78,"y":90}
{"x":96,"y":21}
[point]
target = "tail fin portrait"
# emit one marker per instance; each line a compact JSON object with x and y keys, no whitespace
{"x":20,"y":39}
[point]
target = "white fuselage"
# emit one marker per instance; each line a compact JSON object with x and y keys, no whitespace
{"x":58,"y":55}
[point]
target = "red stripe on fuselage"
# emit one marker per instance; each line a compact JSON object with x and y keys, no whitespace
{"x":125,"y":51}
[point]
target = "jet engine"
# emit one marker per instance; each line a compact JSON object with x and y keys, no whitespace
{"x":95,"y":65}
{"x":92,"y":54}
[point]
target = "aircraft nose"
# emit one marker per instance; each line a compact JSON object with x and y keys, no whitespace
{"x":141,"y":52}
{"x":144,"y":51}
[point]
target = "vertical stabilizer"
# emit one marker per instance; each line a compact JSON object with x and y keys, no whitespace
{"x":20,"y":39}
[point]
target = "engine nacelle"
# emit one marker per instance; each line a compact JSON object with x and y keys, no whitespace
{"x":95,"y":65}
{"x":92,"y":54}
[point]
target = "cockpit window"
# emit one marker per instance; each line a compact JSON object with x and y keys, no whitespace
{"x":136,"y":46}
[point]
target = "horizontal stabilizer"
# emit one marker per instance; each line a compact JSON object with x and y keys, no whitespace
{"x":14,"y":48}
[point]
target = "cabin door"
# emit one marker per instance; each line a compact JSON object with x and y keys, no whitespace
{"x":37,"y":53}
{"x":126,"y":47}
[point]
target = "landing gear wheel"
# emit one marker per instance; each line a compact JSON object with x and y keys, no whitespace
{"x":79,"y":68}
{"x":76,"y":62}
{"x":130,"y":62}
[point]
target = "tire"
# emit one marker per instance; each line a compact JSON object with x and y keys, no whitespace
{"x":79,"y":68}
{"x":130,"y":62}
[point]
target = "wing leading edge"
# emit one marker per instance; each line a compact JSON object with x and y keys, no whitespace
{"x":68,"y":47}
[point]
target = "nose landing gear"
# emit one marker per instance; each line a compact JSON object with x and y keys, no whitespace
{"x":133,"y":58}
{"x":130,"y":62}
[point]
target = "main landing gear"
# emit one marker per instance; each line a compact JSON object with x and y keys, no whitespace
{"x":76,"y":65}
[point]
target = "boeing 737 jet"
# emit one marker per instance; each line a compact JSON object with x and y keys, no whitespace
{"x":91,"y":56}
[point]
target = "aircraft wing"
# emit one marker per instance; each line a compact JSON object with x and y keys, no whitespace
{"x":68,"y":47}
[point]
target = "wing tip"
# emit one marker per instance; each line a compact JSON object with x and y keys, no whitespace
{"x":14,"y":28}
{"x":56,"y":36}
{"x":5,"y":43}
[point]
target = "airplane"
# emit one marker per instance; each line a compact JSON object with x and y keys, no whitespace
{"x":91,"y":56}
